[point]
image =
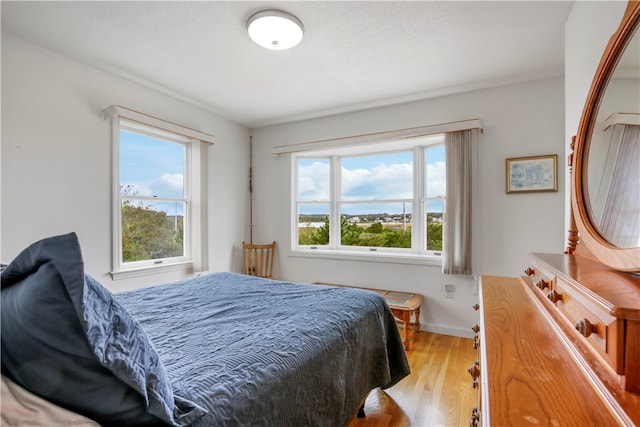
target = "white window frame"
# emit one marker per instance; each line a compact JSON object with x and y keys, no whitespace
{"x":195,"y":258}
{"x":335,"y":249}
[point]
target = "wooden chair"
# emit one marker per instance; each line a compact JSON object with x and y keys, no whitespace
{"x":258,"y":259}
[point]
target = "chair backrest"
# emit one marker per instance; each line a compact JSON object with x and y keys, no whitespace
{"x":258,"y":259}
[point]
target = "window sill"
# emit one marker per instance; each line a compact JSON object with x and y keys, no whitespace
{"x":154,"y":269}
{"x":391,"y":258}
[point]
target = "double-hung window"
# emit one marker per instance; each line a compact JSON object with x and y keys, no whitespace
{"x":159,"y":197}
{"x":154,"y":196}
{"x":385,"y":197}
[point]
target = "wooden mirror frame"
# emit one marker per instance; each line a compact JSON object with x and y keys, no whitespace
{"x":627,"y":259}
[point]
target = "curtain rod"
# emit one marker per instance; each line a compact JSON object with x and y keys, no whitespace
{"x":379,"y":136}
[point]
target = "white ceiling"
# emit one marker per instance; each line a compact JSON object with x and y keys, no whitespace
{"x":355,"y":54}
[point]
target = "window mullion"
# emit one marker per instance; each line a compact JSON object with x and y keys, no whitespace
{"x":418,"y":239}
{"x":116,"y":212}
{"x":335,"y":191}
{"x":295,"y":206}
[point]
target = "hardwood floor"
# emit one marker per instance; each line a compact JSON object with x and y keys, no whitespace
{"x":437,"y":393}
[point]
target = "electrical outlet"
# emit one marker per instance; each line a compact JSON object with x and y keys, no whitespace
{"x":449,"y":290}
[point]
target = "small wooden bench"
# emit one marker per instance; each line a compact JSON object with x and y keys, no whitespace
{"x":405,"y":307}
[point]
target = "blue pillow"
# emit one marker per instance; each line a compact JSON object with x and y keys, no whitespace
{"x":66,"y":339}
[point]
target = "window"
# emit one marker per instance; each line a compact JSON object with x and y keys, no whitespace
{"x":383,"y":198}
{"x":154,"y":193}
{"x":159,"y":196}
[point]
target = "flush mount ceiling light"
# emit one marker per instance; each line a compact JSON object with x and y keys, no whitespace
{"x":275,"y":29}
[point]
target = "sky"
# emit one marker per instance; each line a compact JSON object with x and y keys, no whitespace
{"x":370,"y":178}
{"x":154,"y":168}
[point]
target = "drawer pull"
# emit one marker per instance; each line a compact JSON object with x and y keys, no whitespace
{"x":585,"y":327}
{"x":475,"y":417}
{"x":529,"y":271}
{"x":475,"y":328}
{"x":541,"y":284}
{"x":476,"y":342}
{"x":474,"y":370}
{"x":554,"y":296}
{"x":476,"y":307}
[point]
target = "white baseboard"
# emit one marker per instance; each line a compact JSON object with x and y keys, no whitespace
{"x":447,"y":330}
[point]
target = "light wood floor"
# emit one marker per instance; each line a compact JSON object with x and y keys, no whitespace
{"x":437,"y":393}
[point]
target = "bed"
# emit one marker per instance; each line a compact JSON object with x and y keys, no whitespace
{"x":222,"y":349}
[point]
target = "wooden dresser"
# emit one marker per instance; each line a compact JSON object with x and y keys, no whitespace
{"x":552,"y":351}
{"x":560,"y":346}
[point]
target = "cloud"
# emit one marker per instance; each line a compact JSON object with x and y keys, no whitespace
{"x":172,"y":182}
{"x":165,"y":185}
{"x":313,"y":181}
{"x":436,"y":184}
{"x":382,"y":180}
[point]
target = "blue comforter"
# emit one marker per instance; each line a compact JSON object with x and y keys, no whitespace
{"x":257,"y":352}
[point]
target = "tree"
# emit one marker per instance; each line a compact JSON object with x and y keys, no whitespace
{"x":375,"y":228}
{"x":349,"y":232}
{"x":376,"y":235}
{"x":148,"y":233}
{"x":434,"y":236}
{"x":321,"y":235}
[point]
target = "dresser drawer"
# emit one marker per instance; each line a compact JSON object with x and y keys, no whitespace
{"x":603,"y":332}
{"x":544,"y":280}
{"x":528,"y":374}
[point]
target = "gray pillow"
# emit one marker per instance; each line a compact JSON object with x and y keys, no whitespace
{"x":66,"y":339}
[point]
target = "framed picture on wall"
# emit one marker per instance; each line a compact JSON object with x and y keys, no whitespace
{"x":532,"y":174}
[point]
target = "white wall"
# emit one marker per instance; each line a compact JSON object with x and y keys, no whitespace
{"x":56,"y":158}
{"x":519,"y":120}
{"x":56,"y":168}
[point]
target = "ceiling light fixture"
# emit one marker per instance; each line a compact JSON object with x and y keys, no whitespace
{"x":275,"y":29}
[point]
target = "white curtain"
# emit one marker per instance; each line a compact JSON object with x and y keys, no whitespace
{"x":458,"y":211}
{"x":620,"y":219}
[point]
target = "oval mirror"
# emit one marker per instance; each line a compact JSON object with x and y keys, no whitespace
{"x":613,"y":154}
{"x":605,"y":196}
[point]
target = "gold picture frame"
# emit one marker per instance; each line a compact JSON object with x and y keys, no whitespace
{"x":532,"y":174}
